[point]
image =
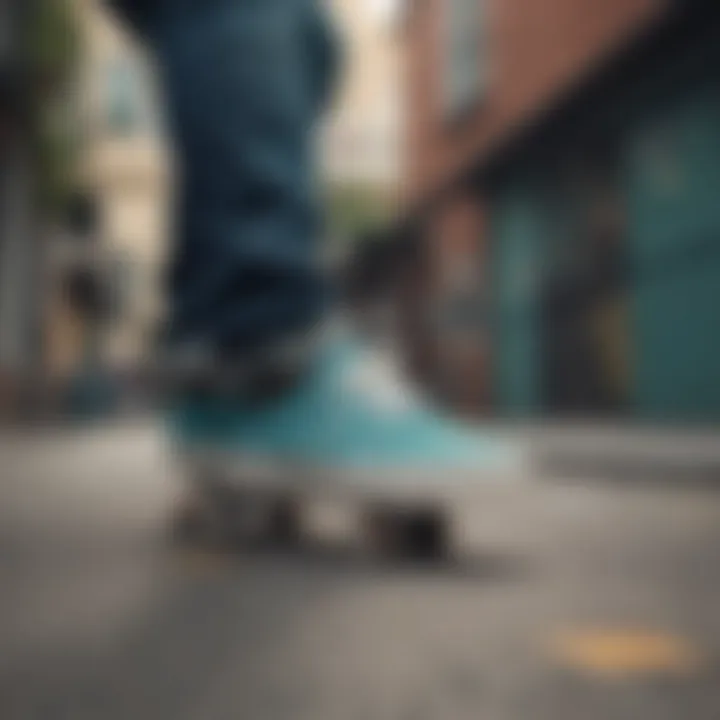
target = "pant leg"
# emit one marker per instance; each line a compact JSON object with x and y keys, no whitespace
{"x":243,"y":82}
{"x":138,"y":15}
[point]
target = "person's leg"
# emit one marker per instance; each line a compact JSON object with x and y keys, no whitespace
{"x":244,"y":82}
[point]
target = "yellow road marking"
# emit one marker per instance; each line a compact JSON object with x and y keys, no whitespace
{"x":625,"y":653}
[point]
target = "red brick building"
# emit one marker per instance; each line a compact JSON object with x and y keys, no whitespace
{"x":499,"y":90}
{"x":528,"y":55}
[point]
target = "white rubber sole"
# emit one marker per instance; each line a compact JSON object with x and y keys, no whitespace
{"x":412,"y":485}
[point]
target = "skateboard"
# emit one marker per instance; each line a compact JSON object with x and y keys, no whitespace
{"x":232,"y":501}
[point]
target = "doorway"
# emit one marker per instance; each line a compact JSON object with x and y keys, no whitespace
{"x":585,"y":307}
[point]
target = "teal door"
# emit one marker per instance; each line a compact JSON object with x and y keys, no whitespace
{"x":673,"y":176}
{"x":515,"y":275}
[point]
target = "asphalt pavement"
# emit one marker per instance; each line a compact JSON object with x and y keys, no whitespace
{"x":564,"y":601}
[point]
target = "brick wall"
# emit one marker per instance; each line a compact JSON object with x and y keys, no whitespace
{"x":458,"y":247}
{"x":536,"y":51}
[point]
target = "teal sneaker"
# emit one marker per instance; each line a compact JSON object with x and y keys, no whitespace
{"x":350,"y":423}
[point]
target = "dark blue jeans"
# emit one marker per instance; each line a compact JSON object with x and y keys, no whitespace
{"x":244,"y":83}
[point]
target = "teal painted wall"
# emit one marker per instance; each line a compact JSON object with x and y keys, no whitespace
{"x":516,"y":270}
{"x":673,"y":183}
{"x":669,"y":140}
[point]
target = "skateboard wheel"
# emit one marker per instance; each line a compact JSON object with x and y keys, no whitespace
{"x":283,"y":522}
{"x":427,"y":535}
{"x":422,"y":534}
{"x":193,"y":521}
{"x":204,"y":516}
{"x":220,"y":516}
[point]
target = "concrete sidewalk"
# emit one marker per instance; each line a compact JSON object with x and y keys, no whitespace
{"x":589,"y":602}
{"x":600,"y":451}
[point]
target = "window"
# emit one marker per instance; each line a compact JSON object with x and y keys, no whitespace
{"x":129,"y":109}
{"x":122,"y":107}
{"x":384,"y":12}
{"x":464,"y":41}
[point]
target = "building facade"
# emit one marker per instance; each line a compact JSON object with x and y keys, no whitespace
{"x":563,"y":162}
{"x":360,"y":148}
{"x":20,"y":316}
{"x":123,"y":169}
{"x":360,"y":142}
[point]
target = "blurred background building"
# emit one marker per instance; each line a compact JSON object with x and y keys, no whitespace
{"x":562,"y":180}
{"x":124,"y":161}
{"x":16,"y":233}
{"x":83,"y":188}
{"x":122,"y":170}
{"x":361,"y":144}
{"x":36,"y":55}
{"x":99,"y":210}
{"x":546,"y":178}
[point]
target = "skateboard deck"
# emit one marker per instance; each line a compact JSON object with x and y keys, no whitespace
{"x":239,"y":500}
{"x":408,"y":513}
